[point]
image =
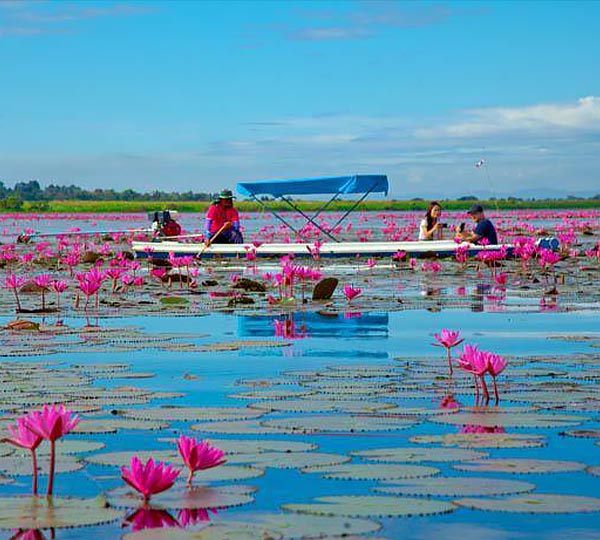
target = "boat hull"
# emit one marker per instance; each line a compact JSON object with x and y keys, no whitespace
{"x":160,"y":250}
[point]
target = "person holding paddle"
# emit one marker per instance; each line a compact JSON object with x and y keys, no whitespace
{"x":222,"y":221}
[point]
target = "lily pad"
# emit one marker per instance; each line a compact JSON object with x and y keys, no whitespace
{"x":371,"y":506}
{"x":184,"y":497}
{"x":248,"y":446}
{"x":321,"y":405}
{"x":350,"y":424}
{"x":452,"y":486}
{"x":237,"y":427}
{"x":416,"y":455}
{"x":372,"y":471}
{"x":292,"y":460}
{"x":18,"y":512}
{"x":535,"y":503}
{"x":120,"y":459}
{"x":112,"y":425}
{"x":521,"y":466}
{"x":482,"y":440}
{"x":20,"y":465}
{"x":505,"y":419}
{"x":197,"y":414}
{"x":283,"y":526}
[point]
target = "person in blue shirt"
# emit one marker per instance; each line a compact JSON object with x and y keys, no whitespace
{"x":484,"y":231}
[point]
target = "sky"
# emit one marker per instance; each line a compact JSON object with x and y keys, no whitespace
{"x":200,"y":95}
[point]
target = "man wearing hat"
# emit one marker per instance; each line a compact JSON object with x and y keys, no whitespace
{"x":223,"y":221}
{"x":484,"y":232}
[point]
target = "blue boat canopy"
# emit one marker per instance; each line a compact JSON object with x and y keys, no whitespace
{"x":363,"y":184}
{"x":341,"y":185}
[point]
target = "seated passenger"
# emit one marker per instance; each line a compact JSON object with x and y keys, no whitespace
{"x":431,"y":228}
{"x":484,"y":232}
{"x":223,"y":221}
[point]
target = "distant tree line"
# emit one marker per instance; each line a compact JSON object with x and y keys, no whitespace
{"x":32,"y":191}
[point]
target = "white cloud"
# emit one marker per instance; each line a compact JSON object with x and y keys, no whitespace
{"x":536,"y":119}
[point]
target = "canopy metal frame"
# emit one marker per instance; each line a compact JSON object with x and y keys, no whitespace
{"x":311,"y":218}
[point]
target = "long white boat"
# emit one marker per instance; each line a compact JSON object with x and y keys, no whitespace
{"x":443,"y":248}
{"x":283,"y":190}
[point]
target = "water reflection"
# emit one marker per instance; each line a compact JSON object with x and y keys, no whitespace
{"x":149,"y":518}
{"x":193,"y":516}
{"x":312,"y":324}
{"x":481,"y":429}
{"x":32,"y":534}
{"x":286,"y":328}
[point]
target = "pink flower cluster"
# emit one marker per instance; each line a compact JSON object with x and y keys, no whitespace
{"x":479,"y":364}
{"x":155,"y":477}
{"x":50,"y":423}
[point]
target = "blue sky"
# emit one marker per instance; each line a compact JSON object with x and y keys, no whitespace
{"x":199,"y":95}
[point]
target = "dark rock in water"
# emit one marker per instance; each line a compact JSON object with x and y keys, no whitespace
{"x":240,"y":301}
{"x":553,"y":291}
{"x":209,"y":283}
{"x":175,"y":278}
{"x":22,"y":324}
{"x":249,"y":285}
{"x":328,"y":314}
{"x":38,"y":310}
{"x":128,"y":255}
{"x":90,"y":257}
{"x":160,"y":263}
{"x":535,"y":280}
{"x":325,"y":288}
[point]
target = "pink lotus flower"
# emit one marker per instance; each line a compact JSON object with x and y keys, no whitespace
{"x":351,"y":292}
{"x":474,"y":361}
{"x":59,"y":286}
{"x":496,"y":364}
{"x":23,"y":437}
{"x":51,"y":423}
{"x":42,"y":280}
{"x":149,"y":478}
{"x":198,"y":455}
{"x":14,"y":282}
{"x":448,"y":339}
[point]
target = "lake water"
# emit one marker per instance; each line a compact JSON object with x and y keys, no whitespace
{"x":329,"y":355}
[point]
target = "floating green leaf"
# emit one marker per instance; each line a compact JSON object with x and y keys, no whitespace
{"x":535,"y":503}
{"x":371,"y":506}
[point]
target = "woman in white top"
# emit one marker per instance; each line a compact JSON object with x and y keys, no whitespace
{"x":431,"y":228}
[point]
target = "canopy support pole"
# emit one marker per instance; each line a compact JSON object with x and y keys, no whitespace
{"x":322,"y":209}
{"x":353,"y":207}
{"x":308,"y":218}
{"x":275,"y":214}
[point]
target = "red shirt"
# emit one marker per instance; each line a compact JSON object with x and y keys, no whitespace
{"x":220,"y":215}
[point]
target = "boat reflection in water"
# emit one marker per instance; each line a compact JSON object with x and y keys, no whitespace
{"x":317,"y":325}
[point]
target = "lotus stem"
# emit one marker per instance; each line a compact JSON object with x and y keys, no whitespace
{"x":34,"y":472}
{"x":51,"y":472}
{"x":496,"y":390}
{"x":190,"y":477}
{"x":449,"y":356}
{"x":486,"y":394}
